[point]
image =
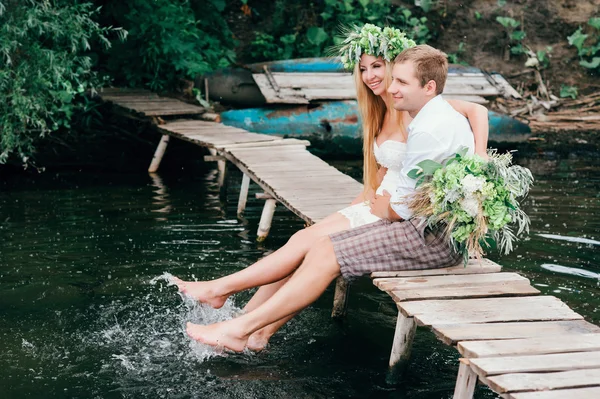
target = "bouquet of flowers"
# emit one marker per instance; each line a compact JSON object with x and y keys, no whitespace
{"x":476,"y":200}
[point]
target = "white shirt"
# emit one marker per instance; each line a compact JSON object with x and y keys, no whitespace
{"x":437,"y":132}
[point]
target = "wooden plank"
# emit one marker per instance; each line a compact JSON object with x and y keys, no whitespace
{"x":276,"y":142}
{"x":506,"y":89}
{"x":489,"y":366}
{"x":531,"y":346}
{"x":172,"y":112}
{"x":399,"y":283}
{"x":285,"y":95}
{"x":300,"y":88}
{"x":453,"y":333}
{"x":488,"y":310}
{"x":466,"y":97}
{"x":578,"y":393}
{"x":482,"y":291}
{"x":472,"y":267}
{"x":544,"y":381}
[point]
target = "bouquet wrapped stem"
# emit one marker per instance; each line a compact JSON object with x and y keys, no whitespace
{"x":476,"y":200}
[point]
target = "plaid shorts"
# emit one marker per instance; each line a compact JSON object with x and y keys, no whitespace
{"x":390,"y":246}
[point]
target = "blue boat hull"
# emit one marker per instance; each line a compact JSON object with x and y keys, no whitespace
{"x":334,"y":119}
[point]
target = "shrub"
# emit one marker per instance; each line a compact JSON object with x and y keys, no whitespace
{"x":308,"y":33}
{"x":167,"y":41}
{"x":588,"y":45}
{"x":46,"y":67}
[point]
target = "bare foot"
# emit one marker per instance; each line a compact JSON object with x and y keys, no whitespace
{"x":258,"y":341}
{"x":218,"y":335}
{"x":202,"y":291}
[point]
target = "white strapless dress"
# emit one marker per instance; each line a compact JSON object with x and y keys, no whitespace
{"x":390,"y":155}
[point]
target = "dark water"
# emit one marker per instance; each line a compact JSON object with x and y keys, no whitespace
{"x":84,"y":312}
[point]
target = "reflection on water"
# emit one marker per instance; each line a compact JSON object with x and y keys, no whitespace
{"x":161,"y":199}
{"x":86,"y":309}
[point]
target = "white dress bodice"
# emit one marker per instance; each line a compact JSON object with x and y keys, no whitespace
{"x":390,"y":155}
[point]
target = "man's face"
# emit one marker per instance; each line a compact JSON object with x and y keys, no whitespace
{"x":406,"y":90}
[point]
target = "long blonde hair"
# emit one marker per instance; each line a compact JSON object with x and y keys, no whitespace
{"x":372,"y":111}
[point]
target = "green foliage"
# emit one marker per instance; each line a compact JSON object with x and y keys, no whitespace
{"x":309,"y":35}
{"x":477,"y":15}
{"x":544,"y":56}
{"x":168,"y":41}
{"x":426,"y":5}
{"x":45,"y":69}
{"x":508,"y":23}
{"x":568,"y":91}
{"x":588,"y":45}
{"x":515,"y":37}
{"x":454,"y":58}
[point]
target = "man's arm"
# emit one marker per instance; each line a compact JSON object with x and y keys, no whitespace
{"x":420,"y":146}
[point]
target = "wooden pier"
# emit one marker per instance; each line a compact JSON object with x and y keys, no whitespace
{"x":520,"y":344}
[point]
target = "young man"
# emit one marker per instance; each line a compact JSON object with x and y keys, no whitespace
{"x":395,"y":243}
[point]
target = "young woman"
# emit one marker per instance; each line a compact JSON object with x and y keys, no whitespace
{"x":384,"y":144}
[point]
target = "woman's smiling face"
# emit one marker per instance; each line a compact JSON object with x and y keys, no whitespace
{"x":372,"y":70}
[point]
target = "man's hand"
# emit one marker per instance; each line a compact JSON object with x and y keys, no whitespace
{"x":380,"y":207}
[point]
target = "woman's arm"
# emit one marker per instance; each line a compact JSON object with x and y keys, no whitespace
{"x":478,"y":118}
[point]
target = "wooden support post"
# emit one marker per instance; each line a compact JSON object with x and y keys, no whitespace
{"x":265,"y":219}
{"x":403,"y":338}
{"x":158,"y":154}
{"x":465,"y":382}
{"x":340,"y":298}
{"x":221,"y":167}
{"x":243,"y":195}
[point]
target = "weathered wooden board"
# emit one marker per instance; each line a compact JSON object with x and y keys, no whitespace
{"x":488,"y":310}
{"x":472,"y":267}
{"x":300,"y":88}
{"x":531,"y":346}
{"x":577,"y":393}
{"x":489,"y":366}
{"x":474,"y":291}
{"x":544,"y":381}
{"x":453,"y":333}
{"x":398,"y":283}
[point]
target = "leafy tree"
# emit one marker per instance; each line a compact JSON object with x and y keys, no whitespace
{"x":45,"y":66}
{"x":299,"y":31}
{"x":168,"y":40}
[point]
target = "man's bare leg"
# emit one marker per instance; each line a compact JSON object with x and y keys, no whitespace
{"x":270,"y":269}
{"x":318,"y":270}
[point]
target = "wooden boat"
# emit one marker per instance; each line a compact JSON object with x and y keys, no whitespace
{"x":316,"y":96}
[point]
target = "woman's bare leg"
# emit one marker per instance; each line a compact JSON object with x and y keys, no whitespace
{"x":319,"y":269}
{"x":270,"y":269}
{"x":260,"y":338}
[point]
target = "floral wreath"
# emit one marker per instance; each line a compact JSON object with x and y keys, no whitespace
{"x":372,"y":40}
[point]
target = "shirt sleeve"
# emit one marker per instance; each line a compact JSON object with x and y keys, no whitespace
{"x":421,"y":145}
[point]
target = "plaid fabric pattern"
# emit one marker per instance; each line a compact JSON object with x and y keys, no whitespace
{"x":389,"y":246}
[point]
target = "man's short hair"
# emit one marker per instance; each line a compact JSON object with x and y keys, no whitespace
{"x":430,"y":64}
